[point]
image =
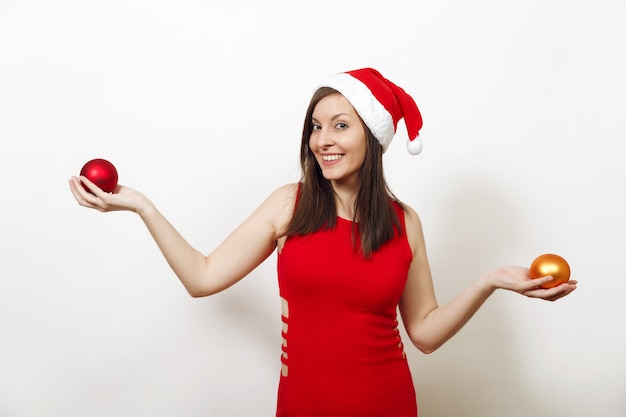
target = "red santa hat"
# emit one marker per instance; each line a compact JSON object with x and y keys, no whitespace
{"x":380,"y":103}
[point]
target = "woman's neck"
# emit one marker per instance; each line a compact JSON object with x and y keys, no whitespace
{"x":345,"y":198}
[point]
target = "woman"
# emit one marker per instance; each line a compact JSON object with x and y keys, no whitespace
{"x":350,"y":255}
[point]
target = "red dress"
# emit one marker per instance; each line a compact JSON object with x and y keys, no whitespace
{"x":342,"y":348}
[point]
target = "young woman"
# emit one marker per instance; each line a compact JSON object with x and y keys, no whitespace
{"x":350,"y":255}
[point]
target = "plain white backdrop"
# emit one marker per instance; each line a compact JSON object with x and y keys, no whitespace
{"x":200,"y":104}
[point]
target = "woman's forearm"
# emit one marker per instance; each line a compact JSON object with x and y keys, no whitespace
{"x":445,"y":321}
{"x":187,"y":263}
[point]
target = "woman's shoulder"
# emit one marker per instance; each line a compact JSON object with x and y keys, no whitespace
{"x":413,"y":226}
{"x":411,"y":218}
{"x":409,"y":212}
{"x":282,"y":202}
{"x":285,"y":194}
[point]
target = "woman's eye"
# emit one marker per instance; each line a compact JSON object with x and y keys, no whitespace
{"x":341,"y":125}
{"x":315,"y":127}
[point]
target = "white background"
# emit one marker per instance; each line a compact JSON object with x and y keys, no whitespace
{"x":200,"y":106}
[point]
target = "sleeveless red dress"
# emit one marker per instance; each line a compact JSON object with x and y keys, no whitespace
{"x":342,"y":349}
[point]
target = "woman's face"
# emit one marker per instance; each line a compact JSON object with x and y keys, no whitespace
{"x":338,"y":140}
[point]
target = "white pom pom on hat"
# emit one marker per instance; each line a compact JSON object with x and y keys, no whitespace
{"x":380,"y":103}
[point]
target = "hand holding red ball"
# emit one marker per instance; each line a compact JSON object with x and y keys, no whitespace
{"x":114,"y":196}
{"x":102,"y":173}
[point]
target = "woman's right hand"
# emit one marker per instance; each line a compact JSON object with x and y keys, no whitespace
{"x":121,"y":199}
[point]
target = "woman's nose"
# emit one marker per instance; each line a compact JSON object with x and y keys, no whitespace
{"x":324,"y":138}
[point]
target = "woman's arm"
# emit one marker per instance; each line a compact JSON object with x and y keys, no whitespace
{"x":246,"y":247}
{"x":429,"y":325}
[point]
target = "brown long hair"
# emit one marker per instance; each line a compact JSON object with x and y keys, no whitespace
{"x":373,"y":208}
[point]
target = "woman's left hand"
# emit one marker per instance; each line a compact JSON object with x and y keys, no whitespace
{"x":518,"y":279}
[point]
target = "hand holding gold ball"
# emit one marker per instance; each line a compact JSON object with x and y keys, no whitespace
{"x":553,"y":265}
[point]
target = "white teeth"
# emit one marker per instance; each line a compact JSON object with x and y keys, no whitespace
{"x":331,"y":157}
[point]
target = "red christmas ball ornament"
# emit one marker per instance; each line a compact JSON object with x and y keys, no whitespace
{"x":553,"y":265}
{"x":102,"y":173}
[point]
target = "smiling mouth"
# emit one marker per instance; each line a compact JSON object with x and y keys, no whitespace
{"x":331,"y":157}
